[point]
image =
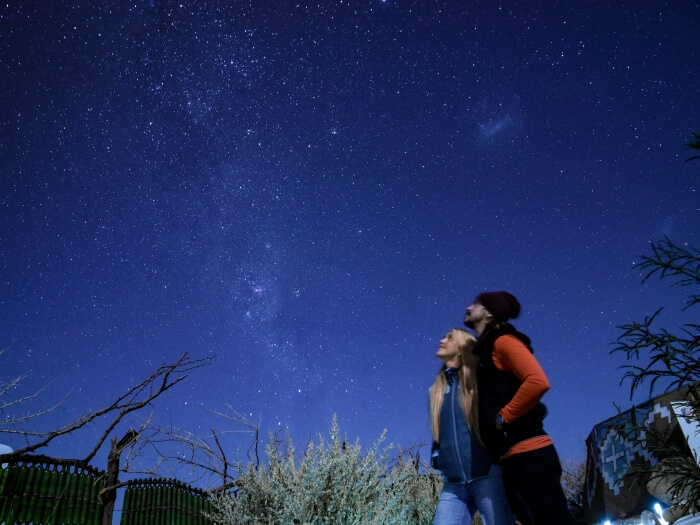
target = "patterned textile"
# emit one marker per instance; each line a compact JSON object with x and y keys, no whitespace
{"x":612,"y":447}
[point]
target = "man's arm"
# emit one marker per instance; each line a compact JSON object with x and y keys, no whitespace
{"x":510,"y":354}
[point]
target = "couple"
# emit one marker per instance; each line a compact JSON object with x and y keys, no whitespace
{"x":486,"y":420}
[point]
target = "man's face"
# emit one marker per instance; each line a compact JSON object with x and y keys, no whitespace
{"x":475,"y":315}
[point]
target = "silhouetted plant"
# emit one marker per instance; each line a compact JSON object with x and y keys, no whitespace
{"x":694,"y":144}
{"x":673,"y":359}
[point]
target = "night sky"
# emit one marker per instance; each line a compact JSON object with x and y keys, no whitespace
{"x":315,"y":192}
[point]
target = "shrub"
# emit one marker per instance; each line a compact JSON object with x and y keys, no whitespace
{"x":670,"y":360}
{"x":573,"y":481}
{"x":334,"y":482}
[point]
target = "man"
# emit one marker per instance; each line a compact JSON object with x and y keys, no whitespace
{"x":510,"y":384}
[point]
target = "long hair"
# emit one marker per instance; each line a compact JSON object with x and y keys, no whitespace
{"x":468,"y":397}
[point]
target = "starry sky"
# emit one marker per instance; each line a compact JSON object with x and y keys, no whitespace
{"x":314,"y":193}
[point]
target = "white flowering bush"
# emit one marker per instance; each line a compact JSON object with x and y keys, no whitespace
{"x":333,"y":483}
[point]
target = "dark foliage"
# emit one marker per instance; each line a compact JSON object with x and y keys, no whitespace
{"x":674,"y":360}
{"x":694,"y":144}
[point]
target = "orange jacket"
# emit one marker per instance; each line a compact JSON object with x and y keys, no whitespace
{"x":511,"y":355}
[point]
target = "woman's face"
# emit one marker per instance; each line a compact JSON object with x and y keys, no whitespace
{"x":449,"y":347}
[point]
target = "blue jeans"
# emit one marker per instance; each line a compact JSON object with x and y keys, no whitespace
{"x":459,"y":502}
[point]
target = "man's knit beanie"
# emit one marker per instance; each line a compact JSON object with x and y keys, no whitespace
{"x":501,"y":305}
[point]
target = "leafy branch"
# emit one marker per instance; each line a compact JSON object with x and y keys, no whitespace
{"x":668,"y":260}
{"x":670,"y":356}
{"x":673,"y":359}
{"x":694,"y":144}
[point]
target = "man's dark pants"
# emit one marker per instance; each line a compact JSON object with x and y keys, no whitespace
{"x":532,"y":482}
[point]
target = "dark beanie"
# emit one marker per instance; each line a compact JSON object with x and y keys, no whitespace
{"x":501,"y":305}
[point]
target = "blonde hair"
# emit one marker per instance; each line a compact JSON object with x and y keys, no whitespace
{"x":467,"y":386}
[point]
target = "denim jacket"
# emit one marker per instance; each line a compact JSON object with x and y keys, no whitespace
{"x":459,"y":455}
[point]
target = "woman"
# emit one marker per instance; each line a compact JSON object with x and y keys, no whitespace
{"x":471,"y":483}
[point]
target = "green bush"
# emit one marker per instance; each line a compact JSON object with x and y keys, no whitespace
{"x":333,"y":483}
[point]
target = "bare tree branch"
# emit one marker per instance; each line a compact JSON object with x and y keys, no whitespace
{"x":202,"y":458}
{"x":141,"y":395}
{"x":7,"y":387}
{"x":252,"y":428}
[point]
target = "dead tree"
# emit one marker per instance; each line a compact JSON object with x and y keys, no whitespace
{"x":139,"y":396}
{"x":136,"y":398}
{"x":200,"y":459}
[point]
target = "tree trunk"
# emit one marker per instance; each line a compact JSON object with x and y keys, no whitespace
{"x":109,"y":498}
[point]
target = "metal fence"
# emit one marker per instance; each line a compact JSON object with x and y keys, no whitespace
{"x":37,"y":490}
